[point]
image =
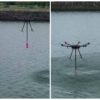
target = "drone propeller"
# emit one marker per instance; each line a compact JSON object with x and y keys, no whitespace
{"x":88,"y":43}
{"x":78,"y":43}
{"x":62,"y":44}
{"x":65,"y":42}
{"x":85,"y":45}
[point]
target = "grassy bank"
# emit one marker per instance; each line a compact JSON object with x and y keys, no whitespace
{"x":20,"y":11}
{"x":24,"y":6}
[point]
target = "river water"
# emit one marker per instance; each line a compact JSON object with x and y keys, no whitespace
{"x":24,"y":72}
{"x":73,"y":27}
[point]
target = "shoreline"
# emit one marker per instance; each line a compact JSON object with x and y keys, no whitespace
{"x":21,"y":15}
{"x":76,"y":6}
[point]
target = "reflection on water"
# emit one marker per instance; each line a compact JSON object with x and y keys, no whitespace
{"x":41,"y":77}
{"x":17,"y":63}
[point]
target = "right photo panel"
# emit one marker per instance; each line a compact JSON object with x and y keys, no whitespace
{"x":75,"y":49}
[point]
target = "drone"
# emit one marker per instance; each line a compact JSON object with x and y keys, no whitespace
{"x":27,"y":23}
{"x":75,"y":47}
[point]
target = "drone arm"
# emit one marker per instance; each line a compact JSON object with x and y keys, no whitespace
{"x":23,"y":27}
{"x":65,"y":45}
{"x":71,"y":54}
{"x":85,"y":45}
{"x":31,"y":26}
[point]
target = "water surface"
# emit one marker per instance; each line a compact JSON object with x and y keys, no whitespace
{"x":73,"y":27}
{"x":24,"y":73}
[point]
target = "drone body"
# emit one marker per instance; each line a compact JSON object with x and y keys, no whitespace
{"x":76,"y":48}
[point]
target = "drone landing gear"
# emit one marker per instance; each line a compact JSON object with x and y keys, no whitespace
{"x":27,"y":23}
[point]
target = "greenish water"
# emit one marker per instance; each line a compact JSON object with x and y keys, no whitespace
{"x":86,"y":84}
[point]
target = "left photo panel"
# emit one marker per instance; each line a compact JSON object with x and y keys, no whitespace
{"x":24,"y":49}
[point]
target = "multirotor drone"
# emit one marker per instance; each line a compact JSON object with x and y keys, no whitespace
{"x":75,"y":47}
{"x":28,"y":24}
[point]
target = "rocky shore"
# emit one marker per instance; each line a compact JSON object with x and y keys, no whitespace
{"x":24,"y":15}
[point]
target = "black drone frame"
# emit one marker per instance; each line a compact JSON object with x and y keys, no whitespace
{"x":27,"y":23}
{"x":76,"y":48}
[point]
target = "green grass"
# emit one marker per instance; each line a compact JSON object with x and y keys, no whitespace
{"x":24,"y":6}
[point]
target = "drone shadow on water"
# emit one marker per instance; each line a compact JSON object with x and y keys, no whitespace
{"x":41,"y":76}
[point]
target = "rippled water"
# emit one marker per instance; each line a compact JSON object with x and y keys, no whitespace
{"x":73,"y":27}
{"x":24,"y":73}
